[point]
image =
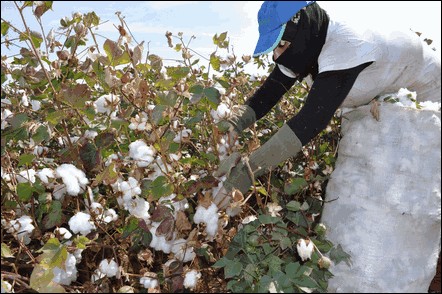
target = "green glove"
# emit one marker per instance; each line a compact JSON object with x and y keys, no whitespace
{"x":242,"y":118}
{"x":240,"y":173}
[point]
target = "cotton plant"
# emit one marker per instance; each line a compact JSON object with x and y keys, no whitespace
{"x":67,"y":274}
{"x":109,"y":268}
{"x":107,"y":104}
{"x":191,"y":279}
{"x":140,"y":122}
{"x":149,"y":281}
{"x":74,"y":178}
{"x":81,"y":223}
{"x":22,"y":228}
{"x":142,"y":154}
{"x":209,"y":216}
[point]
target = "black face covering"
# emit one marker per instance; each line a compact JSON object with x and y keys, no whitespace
{"x":306,"y":31}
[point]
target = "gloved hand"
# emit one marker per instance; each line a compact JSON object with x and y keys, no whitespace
{"x":243,"y":117}
{"x":241,"y":172}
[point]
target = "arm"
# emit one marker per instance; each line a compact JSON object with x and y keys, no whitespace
{"x":326,"y":95}
{"x":328,"y":92}
{"x":276,"y":85}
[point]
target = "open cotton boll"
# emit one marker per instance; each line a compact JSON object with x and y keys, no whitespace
{"x":6,"y":113}
{"x":26,"y":176}
{"x":106,"y":103}
{"x":191,"y":279}
{"x":63,"y":232}
{"x":148,"y":282}
{"x":44,"y":175}
{"x":139,"y":208}
{"x":159,"y":243}
{"x":67,"y":275}
{"x":305,"y":249}
{"x":81,"y":223}
{"x":74,"y":178}
{"x":182,"y":251}
{"x":109,"y":268}
{"x":182,"y":135}
{"x":140,"y":122}
{"x":209,"y":216}
{"x":22,"y":227}
{"x":141,"y":153}
{"x":221,"y":112}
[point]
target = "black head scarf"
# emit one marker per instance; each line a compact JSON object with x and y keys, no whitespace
{"x":306,"y":31}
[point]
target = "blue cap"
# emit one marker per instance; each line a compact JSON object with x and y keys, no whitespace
{"x":272,"y":19}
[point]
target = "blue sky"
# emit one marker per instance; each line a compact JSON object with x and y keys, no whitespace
{"x":149,"y":20}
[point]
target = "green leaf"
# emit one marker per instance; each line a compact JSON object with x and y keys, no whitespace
{"x":232,"y":269}
{"x":221,"y":263}
{"x":168,"y":99}
{"x":295,"y":186}
{"x":5,"y":28}
{"x":212,"y":95}
{"x":90,"y":156}
{"x":268,"y":219}
{"x":293,"y":205}
{"x":81,"y":242}
{"x":54,"y":117}
{"x":41,"y":281}
{"x":215,"y":62}
{"x":25,"y":159}
{"x":338,"y":255}
{"x":178,"y":72}
{"x":18,"y":120}
{"x":160,"y":187}
{"x":6,"y":251}
{"x":115,"y":54}
{"x":91,"y":19}
{"x":130,"y":227}
{"x":41,"y":135}
{"x":54,"y":216}
{"x":24,"y":191}
{"x":54,"y":254}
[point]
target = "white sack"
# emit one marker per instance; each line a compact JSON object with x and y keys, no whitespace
{"x":387,"y":216}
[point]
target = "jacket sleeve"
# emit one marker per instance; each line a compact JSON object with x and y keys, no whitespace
{"x":326,"y":95}
{"x":268,"y":95}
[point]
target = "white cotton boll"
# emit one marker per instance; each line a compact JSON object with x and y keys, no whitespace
{"x":26,"y":176}
{"x":182,"y":135}
{"x":44,"y":175}
{"x":191,"y":279}
{"x":24,"y":100}
{"x":110,"y":215}
{"x":140,"y":122}
{"x":6,"y":113}
{"x":148,"y":282}
{"x":182,"y":251}
{"x":96,"y":208}
{"x":22,"y":227}
{"x":98,"y":275}
{"x":159,"y":243}
{"x":209,"y":216}
{"x":74,"y":178}
{"x":139,"y":208}
{"x":109,"y":268}
{"x":80,"y":223}
{"x":67,"y":275}
{"x":90,"y":134}
{"x":130,"y":188}
{"x":106,"y":103}
{"x":36,"y":105}
{"x":63,"y":232}
{"x":305,"y":249}
{"x":110,"y":158}
{"x":221,"y":112}
{"x":140,"y":152}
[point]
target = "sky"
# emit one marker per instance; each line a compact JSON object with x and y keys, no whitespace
{"x":149,"y":20}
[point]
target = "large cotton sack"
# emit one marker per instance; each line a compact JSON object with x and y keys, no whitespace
{"x":387,"y":216}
